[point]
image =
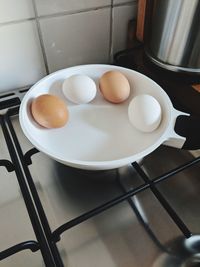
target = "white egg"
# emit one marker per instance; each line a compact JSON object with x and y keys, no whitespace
{"x":144,"y":113}
{"x":79,"y":89}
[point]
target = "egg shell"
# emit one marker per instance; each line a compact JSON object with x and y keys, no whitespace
{"x":144,"y":113}
{"x":49,"y":111}
{"x":114,"y":86}
{"x":79,"y":89}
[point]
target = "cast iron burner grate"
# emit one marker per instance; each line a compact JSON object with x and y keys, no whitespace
{"x":46,"y":240}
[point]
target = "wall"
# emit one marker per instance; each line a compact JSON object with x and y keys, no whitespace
{"x":42,"y":36}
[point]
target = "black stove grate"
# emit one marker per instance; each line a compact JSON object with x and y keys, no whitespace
{"x":46,"y":239}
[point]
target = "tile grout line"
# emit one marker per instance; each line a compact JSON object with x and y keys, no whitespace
{"x":37,"y":20}
{"x":126,"y":3}
{"x":74,"y":12}
{"x":16,"y":21}
{"x":111,"y":33}
{"x":63,"y":13}
{"x":53,"y":15}
{"x":40,"y":37}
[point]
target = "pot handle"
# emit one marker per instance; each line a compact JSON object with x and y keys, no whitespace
{"x":173,"y":138}
{"x":185,"y":132}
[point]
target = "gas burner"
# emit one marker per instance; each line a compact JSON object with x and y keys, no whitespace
{"x":184,"y":253}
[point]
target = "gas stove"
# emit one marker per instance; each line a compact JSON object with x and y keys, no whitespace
{"x":145,"y":214}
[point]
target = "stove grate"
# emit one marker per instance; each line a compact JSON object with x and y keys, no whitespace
{"x":46,"y":239}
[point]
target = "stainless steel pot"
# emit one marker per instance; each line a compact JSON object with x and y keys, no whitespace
{"x":175,"y":35}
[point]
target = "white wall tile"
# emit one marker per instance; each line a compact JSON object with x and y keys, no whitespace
{"x":45,"y":7}
{"x":121,"y":17}
{"x":116,"y":2}
{"x":11,"y":10}
{"x":20,"y":55}
{"x":77,"y":39}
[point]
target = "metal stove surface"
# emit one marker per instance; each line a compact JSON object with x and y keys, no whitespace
{"x":113,"y":238}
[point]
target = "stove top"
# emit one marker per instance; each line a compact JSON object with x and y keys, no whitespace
{"x":54,"y":215}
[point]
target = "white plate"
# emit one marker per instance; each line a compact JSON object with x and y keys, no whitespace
{"x":98,"y":135}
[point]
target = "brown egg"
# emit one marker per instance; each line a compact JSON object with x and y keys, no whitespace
{"x":49,"y":111}
{"x":114,"y":86}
